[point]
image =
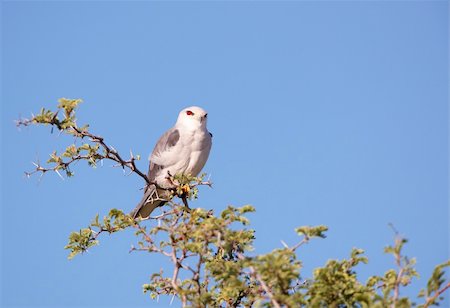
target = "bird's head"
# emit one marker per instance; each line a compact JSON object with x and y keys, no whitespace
{"x":193,"y":118}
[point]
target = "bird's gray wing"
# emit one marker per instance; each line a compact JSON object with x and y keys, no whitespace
{"x":158,"y":158}
{"x":158,"y":161}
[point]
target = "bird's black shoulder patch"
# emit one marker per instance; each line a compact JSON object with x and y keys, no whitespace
{"x":173,"y":138}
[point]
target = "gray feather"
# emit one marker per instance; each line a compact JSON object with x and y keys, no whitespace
{"x":148,"y":203}
{"x":168,"y":139}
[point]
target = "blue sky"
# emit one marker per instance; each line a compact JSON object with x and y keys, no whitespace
{"x":329,"y":112}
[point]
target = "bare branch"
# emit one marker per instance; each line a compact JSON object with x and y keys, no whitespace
{"x":302,"y":242}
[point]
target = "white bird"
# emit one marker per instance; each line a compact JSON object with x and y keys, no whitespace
{"x":183,"y":149}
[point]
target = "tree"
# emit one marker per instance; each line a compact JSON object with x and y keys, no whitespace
{"x":224,"y":274}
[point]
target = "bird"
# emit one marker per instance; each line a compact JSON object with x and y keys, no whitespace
{"x":183,"y":149}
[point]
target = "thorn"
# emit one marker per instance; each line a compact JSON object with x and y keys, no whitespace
{"x":62,"y":178}
{"x":37,"y":158}
{"x":40,"y":178}
{"x":391,"y":225}
{"x":36,"y":165}
{"x":284,"y":244}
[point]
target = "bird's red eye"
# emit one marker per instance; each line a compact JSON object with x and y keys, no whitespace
{"x":189,"y":113}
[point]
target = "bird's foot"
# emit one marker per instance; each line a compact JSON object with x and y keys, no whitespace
{"x":171,"y":180}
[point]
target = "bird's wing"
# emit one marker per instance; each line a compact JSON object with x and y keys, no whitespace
{"x":162,"y":155}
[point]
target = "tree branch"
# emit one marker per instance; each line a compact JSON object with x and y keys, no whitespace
{"x":432,"y":299}
{"x":258,"y":277}
{"x":69,"y":126}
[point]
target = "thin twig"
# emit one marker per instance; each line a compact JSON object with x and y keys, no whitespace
{"x":302,"y":242}
{"x":265,"y":287}
{"x":431,"y":300}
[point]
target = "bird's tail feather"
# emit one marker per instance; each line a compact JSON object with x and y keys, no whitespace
{"x":148,"y":204}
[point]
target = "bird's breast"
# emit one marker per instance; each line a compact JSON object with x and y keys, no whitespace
{"x":199,"y":145}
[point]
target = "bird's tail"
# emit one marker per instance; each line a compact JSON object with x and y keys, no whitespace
{"x":150,"y":201}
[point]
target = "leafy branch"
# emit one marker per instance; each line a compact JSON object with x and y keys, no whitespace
{"x":93,"y":152}
{"x":436,"y":286}
{"x":210,"y":256}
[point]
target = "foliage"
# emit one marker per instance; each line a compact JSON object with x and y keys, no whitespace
{"x":211,"y":255}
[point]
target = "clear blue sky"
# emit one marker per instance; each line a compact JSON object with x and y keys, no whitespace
{"x":324,"y":112}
